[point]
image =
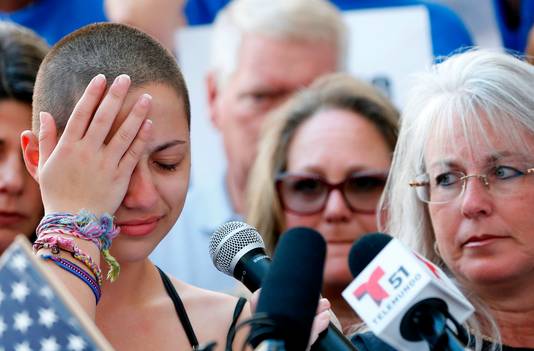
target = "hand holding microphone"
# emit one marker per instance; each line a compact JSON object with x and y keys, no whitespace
{"x":404,"y":299}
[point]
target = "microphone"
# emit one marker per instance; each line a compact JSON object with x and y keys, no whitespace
{"x":290,"y":292}
{"x":237,"y":250}
{"x":406,"y":300}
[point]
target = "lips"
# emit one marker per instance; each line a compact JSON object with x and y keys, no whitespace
{"x":11,"y":218}
{"x":482,"y":240}
{"x":138,"y":227}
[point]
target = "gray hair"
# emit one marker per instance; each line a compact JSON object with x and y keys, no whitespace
{"x":313,"y":20}
{"x":468,"y":93}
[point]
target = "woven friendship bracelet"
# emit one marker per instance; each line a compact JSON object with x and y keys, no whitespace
{"x":56,"y":243}
{"x":71,"y":267}
{"x":86,"y":226}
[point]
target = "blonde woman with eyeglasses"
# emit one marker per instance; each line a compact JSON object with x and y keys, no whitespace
{"x":461,"y":188}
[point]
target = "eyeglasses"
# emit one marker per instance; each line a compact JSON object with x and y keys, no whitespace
{"x":445,"y":187}
{"x":307,"y":194}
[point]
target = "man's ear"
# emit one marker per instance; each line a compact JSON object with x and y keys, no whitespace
{"x":30,"y":152}
{"x":212,"y":90}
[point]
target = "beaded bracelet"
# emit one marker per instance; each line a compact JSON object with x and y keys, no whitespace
{"x":78,"y":272}
{"x":84,"y":225}
{"x":58,"y":243}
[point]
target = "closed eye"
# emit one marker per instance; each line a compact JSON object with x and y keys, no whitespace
{"x":166,"y":166}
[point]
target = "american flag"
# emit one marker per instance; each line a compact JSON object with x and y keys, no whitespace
{"x":35,"y":313}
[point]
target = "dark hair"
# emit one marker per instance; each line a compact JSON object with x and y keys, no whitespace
{"x":21,"y":53}
{"x":108,"y":48}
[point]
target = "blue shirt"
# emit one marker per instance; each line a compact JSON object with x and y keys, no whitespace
{"x":53,"y":19}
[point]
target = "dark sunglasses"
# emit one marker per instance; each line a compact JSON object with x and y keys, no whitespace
{"x":307,"y":194}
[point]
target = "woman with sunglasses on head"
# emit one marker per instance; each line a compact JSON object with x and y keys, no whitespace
{"x":322,"y":163}
{"x":461,"y":188}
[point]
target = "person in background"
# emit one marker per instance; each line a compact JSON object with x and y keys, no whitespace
{"x":322,"y":163}
{"x":448,"y":32}
{"x":515,"y":18}
{"x":263,"y":51}
{"x":461,"y":189}
{"x":159,"y":18}
{"x":21,"y":52}
{"x":52,"y":19}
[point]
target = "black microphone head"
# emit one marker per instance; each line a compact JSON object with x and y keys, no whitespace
{"x":365,"y":249}
{"x":230,"y":242}
{"x":290,"y":291}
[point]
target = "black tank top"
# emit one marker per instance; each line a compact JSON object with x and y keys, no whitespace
{"x":182,"y":314}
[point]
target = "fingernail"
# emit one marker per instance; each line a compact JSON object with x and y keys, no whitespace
{"x":122,"y":79}
{"x":41,"y":114}
{"x":145,"y":100}
{"x":99,"y":79}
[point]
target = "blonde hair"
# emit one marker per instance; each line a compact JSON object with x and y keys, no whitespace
{"x":466,"y":93}
{"x":311,"y":20}
{"x":334,"y":91}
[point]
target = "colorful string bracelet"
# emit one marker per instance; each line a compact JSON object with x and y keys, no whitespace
{"x":71,"y":267}
{"x":56,"y":244}
{"x":87,"y":226}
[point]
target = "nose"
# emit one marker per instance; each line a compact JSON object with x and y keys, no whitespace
{"x":336,"y":209}
{"x":142,"y":192}
{"x":12,"y":175}
{"x":476,"y":199}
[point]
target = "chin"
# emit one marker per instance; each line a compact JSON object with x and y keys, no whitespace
{"x":131,"y":251}
{"x":336,"y":277}
{"x":492,"y":271}
{"x":6,"y":238}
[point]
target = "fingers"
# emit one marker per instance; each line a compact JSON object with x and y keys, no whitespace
{"x":107,"y":111}
{"x":320,"y":323}
{"x":134,"y":152}
{"x":84,"y":109}
{"x":47,"y":137}
{"x":323,"y":305}
{"x":123,"y":138}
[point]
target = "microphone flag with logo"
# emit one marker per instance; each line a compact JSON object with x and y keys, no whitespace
{"x":393,"y":285}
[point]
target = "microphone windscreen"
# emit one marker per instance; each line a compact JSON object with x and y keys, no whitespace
{"x":365,"y":249}
{"x":229,"y":241}
{"x":291,"y":290}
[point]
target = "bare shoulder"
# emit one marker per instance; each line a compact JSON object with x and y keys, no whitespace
{"x":211,"y":313}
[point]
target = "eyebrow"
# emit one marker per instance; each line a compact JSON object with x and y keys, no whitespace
{"x":496,"y":156}
{"x":168,"y":145}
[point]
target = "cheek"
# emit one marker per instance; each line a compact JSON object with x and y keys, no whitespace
{"x":445,"y":228}
{"x":32,"y":198}
{"x":365,"y":224}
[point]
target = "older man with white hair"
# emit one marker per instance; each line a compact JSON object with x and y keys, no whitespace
{"x":262,"y":51}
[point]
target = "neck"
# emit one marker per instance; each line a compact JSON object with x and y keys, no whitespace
{"x":344,"y":313}
{"x":134,"y":285}
{"x":512,"y":306}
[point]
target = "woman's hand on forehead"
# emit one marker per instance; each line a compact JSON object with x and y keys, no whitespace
{"x":80,"y":170}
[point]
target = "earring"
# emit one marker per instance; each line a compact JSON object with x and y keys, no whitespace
{"x":436,"y":249}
